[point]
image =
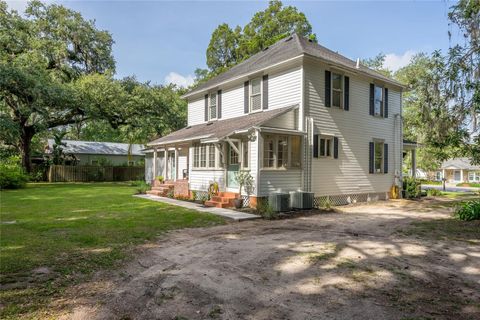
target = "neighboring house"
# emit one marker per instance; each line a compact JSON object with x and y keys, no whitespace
{"x":297,"y":116}
{"x":459,"y":170}
{"x":97,"y":153}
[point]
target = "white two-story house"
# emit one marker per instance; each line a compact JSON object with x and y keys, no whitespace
{"x":297,"y":116}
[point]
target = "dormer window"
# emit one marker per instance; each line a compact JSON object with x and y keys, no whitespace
{"x":255,"y":94}
{"x":212,"y":106}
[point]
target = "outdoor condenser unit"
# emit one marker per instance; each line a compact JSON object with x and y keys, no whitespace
{"x":301,"y":200}
{"x":279,"y":201}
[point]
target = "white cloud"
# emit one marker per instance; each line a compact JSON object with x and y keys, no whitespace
{"x":394,"y":62}
{"x":179,"y":80}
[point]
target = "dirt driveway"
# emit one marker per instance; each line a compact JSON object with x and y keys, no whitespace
{"x":349,"y":265}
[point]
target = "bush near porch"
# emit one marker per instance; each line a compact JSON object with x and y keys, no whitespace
{"x":55,"y":235}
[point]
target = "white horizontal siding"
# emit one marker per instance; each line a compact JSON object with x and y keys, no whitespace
{"x":284,"y":88}
{"x":201,"y":179}
{"x":279,"y":181}
{"x":355,"y":129}
{"x":196,"y":111}
{"x":288,"y":120}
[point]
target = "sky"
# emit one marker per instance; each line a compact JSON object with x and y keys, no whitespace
{"x":165,"y":41}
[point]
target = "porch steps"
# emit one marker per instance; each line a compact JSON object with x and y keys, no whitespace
{"x":222,"y":200}
{"x":161,"y":190}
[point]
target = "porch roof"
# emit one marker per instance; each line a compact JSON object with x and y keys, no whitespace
{"x":459,"y":163}
{"x":220,"y":129}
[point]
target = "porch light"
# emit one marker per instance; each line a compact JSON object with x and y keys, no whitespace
{"x":252,"y":137}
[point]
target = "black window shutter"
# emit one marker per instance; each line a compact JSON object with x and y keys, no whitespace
{"x":371,"y":155}
{"x":315,"y":145}
{"x":265,"y":92}
{"x":385,"y":158}
{"x":335,"y":147}
{"x":245,"y":97}
{"x":385,"y":112}
{"x":346,"y":100}
{"x":206,"y":107}
{"x":328,"y":91}
{"x":372,"y":96}
{"x":219,"y":104}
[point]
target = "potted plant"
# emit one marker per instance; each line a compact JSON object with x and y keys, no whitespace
{"x":244,"y":179}
{"x":160,"y":179}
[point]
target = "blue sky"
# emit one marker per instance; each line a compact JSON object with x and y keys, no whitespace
{"x":165,"y":41}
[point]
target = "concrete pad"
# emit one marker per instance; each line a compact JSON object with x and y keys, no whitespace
{"x":226,"y":213}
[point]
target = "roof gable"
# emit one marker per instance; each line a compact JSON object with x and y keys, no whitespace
{"x":284,"y":50}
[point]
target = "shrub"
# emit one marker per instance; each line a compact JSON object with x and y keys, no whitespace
{"x":194,"y":195}
{"x":141,"y":186}
{"x":434,"y":192}
{"x":265,"y":210}
{"x":468,"y":210}
{"x":412,"y":187}
{"x":170,"y":193}
{"x":12,"y":175}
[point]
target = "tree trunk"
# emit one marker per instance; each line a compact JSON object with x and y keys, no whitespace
{"x":25,"y":147}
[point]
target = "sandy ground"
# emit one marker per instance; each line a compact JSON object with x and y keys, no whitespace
{"x":348,"y":265}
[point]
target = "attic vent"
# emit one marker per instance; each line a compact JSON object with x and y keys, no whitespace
{"x":288,"y":39}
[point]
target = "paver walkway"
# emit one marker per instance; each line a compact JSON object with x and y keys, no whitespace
{"x":227,"y":213}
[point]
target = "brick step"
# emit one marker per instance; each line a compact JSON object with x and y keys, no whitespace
{"x":218,"y":204}
{"x":228,"y":194}
{"x":163,"y":187}
{"x":156,"y":193}
{"x":221,"y":199}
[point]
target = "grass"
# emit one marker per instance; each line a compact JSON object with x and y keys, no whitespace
{"x":469,"y":184}
{"x":56,"y":235}
{"x":446,"y":229}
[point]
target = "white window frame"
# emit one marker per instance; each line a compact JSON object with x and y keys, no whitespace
{"x":210,"y":106}
{"x":245,"y":148}
{"x":275,"y":138}
{"x":197,"y":156}
{"x":382,"y":162}
{"x":326,"y":148}
{"x":341,"y":90}
{"x":251,"y":95}
{"x":382,"y":106}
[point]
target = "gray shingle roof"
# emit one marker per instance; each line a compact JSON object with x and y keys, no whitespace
{"x":283,"y":50}
{"x":459,"y":163}
{"x":93,"y":147}
{"x":221,"y":128}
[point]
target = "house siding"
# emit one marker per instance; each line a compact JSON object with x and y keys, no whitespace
{"x":284,"y":89}
{"x":279,"y":181}
{"x":349,"y":174}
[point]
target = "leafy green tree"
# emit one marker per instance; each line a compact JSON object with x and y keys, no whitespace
{"x":229,"y":46}
{"x":377,"y":63}
{"x":42,"y":56}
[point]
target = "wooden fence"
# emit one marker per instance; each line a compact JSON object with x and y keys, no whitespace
{"x":60,"y":173}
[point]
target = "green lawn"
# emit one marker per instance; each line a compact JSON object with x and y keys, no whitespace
{"x":55,"y":235}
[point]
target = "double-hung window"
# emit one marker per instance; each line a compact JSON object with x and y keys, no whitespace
{"x":282,"y":152}
{"x":326,"y":146}
{"x":255,"y":94}
{"x":337,"y":90}
{"x":378,"y":101}
{"x":203,"y":156}
{"x":378,"y":157}
{"x":269,"y":152}
{"x":212,"y":106}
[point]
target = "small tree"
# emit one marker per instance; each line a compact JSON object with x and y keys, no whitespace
{"x":244,"y":179}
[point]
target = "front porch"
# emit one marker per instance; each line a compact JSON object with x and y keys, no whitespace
{"x":268,"y":149}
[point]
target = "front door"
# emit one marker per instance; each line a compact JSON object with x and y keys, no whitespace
{"x":233,"y":164}
{"x":172,"y":170}
{"x":457,"y":175}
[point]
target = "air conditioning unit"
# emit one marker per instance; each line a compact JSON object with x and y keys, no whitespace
{"x":301,"y":200}
{"x":279,"y":201}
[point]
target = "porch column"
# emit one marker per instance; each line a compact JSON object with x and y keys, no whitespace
{"x":154,"y":163}
{"x":414,"y":163}
{"x":165,"y":163}
{"x":461,"y":175}
{"x":443,"y":175}
{"x":176,"y":164}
